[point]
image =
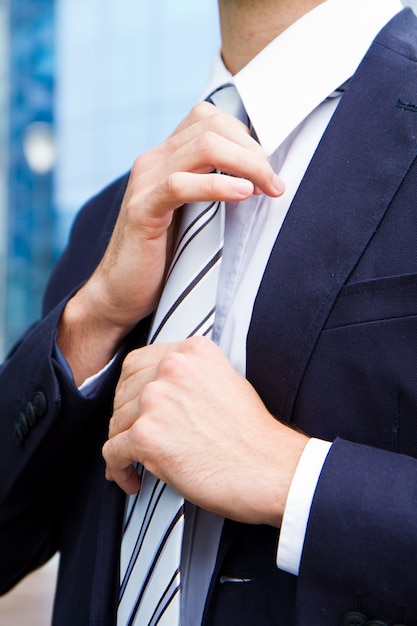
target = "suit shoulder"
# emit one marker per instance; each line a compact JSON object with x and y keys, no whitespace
{"x":400,"y":34}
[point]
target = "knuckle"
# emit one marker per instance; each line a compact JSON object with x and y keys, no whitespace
{"x":212,"y":186}
{"x":198,"y":343}
{"x":148,"y":397}
{"x":130,"y":214}
{"x":147,"y":160}
{"x":144,"y":436}
{"x":117,"y":422}
{"x":153,"y":397}
{"x":118,"y":399}
{"x":219,"y":122}
{"x":174,"y":186}
{"x":107,"y":451}
{"x":139,"y":165}
{"x":112,"y":426}
{"x":201,"y":110}
{"x":129,"y":365}
{"x":205,"y":144}
{"x":136,"y":431}
{"x":172,"y":366}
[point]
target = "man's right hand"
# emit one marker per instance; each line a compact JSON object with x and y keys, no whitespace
{"x":127,"y":283}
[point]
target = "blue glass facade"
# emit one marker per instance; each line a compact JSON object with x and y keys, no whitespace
{"x":31,"y":215}
{"x":109,"y":81}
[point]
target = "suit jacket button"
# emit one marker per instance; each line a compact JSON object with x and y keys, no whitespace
{"x":40,"y":404}
{"x":31,"y":415}
{"x":354,"y":619}
{"x":24,"y":426}
{"x":18,"y":435}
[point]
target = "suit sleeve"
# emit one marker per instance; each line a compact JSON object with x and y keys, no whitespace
{"x":361,"y":540}
{"x":47,"y":428}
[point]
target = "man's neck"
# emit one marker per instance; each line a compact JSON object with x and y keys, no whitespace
{"x":247,"y":26}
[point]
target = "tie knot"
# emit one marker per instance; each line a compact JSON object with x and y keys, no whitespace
{"x":227,"y":99}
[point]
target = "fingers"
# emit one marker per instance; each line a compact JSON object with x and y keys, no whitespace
{"x":209,"y":117}
{"x":139,"y":368}
{"x":142,"y":362}
{"x":203,"y":187}
{"x":128,"y":443}
{"x":249,"y":174}
{"x":123,"y":471}
{"x":223,"y":451}
{"x":208,"y":140}
{"x":222,"y":143}
{"x":213,"y":151}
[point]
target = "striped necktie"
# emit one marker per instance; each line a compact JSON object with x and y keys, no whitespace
{"x":154,"y":522}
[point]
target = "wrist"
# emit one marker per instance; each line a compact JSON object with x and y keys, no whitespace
{"x":268,"y":471}
{"x":87,"y":339}
{"x":292,"y":446}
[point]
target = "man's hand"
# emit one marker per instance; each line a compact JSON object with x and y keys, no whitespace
{"x":127,"y":283}
{"x":193,"y":421}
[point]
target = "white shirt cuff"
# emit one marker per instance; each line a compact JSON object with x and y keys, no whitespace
{"x":299,"y":501}
{"x":90,"y":384}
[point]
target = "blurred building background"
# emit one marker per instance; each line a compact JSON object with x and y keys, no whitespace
{"x":85,"y":86}
{"x":27,"y":121}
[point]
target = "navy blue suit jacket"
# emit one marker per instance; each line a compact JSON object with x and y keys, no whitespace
{"x":332,"y":349}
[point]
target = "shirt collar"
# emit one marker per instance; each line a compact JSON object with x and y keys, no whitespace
{"x":298,"y":70}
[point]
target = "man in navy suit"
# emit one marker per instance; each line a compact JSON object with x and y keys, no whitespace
{"x":294,"y":439}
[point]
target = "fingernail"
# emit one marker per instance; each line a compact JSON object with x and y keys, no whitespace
{"x":278,"y":184}
{"x":243,"y":188}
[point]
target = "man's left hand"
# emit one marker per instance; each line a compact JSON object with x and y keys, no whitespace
{"x":192,"y":420}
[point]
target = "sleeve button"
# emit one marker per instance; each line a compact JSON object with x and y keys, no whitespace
{"x":24,"y":425}
{"x":31,"y":416}
{"x":40,"y":404}
{"x":354,"y":619}
{"x":18,"y":435}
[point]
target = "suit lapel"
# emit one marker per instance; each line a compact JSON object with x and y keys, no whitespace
{"x":356,"y":170}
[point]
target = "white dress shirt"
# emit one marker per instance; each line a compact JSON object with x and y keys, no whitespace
{"x":289,"y":92}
